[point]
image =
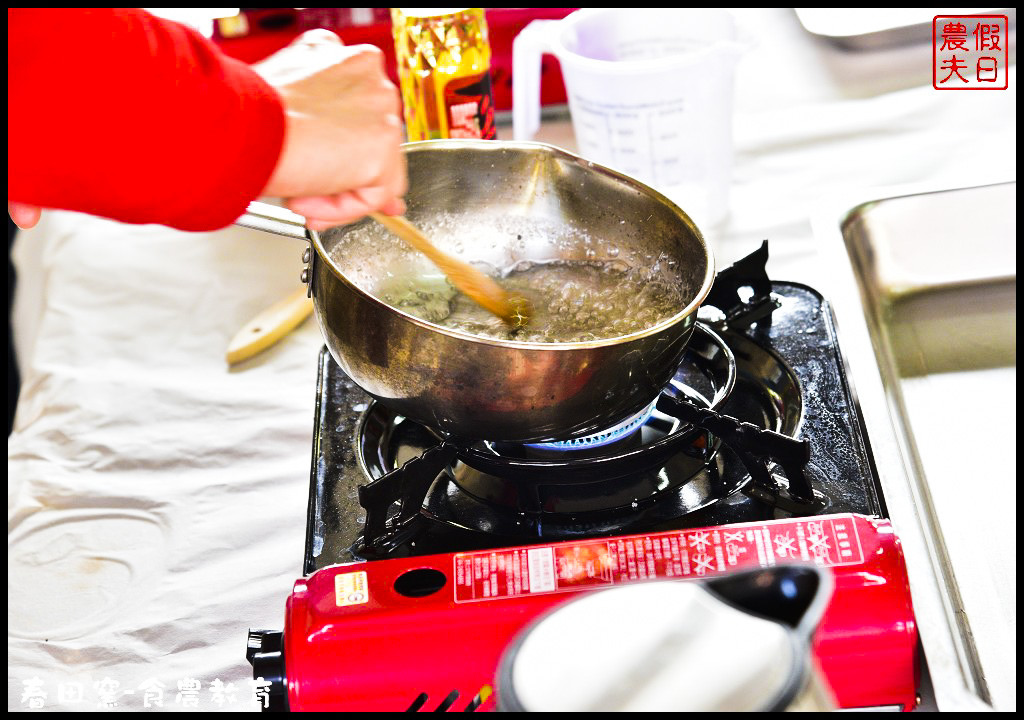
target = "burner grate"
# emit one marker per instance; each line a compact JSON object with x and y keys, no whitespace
{"x":790,"y":380}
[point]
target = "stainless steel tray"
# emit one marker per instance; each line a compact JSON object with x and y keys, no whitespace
{"x":865,"y":29}
{"x":924,"y":289}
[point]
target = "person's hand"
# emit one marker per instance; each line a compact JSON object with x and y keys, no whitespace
{"x":24,"y":216}
{"x":342,"y":154}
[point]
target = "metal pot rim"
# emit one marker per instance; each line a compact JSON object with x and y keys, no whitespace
{"x":501,"y":146}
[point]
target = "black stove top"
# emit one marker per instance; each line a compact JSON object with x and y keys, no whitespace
{"x":771,"y":361}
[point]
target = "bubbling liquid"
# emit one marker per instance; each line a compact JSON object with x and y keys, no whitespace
{"x":598,"y":297}
{"x":572,"y":302}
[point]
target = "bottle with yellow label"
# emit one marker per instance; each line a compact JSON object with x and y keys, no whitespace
{"x":444,"y":61}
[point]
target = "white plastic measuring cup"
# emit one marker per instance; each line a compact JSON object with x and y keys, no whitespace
{"x":650,"y":93}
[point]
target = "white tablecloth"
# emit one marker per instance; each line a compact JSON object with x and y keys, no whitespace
{"x":156,"y":500}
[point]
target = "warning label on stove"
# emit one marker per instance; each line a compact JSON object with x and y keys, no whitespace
{"x":351,"y":589}
{"x":564,"y":567}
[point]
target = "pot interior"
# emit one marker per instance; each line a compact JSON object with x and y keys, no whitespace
{"x":527,"y":208}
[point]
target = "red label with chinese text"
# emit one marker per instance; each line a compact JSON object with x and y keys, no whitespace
{"x":494,"y":574}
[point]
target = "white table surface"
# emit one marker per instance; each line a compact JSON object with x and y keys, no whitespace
{"x":157,"y":498}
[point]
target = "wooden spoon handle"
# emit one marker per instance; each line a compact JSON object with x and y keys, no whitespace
{"x":472,"y":282}
{"x":409,"y":232}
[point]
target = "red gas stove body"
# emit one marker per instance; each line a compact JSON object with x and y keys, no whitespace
{"x":429,"y":632}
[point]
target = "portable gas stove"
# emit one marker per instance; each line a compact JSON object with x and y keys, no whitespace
{"x":426,"y":557}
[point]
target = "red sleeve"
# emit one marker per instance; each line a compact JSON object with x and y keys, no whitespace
{"x":121,"y":114}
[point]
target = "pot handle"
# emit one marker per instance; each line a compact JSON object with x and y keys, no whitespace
{"x":273,"y":219}
{"x":278,"y":220}
{"x":281,"y":318}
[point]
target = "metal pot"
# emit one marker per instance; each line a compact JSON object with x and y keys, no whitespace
{"x":478,"y":388}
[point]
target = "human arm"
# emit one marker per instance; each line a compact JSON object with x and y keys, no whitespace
{"x":121,"y":114}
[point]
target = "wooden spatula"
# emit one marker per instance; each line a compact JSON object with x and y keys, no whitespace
{"x":270,"y":326}
{"x":515,"y":310}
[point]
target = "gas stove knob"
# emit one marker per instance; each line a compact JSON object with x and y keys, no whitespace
{"x":265,"y":652}
{"x":263,"y":641}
